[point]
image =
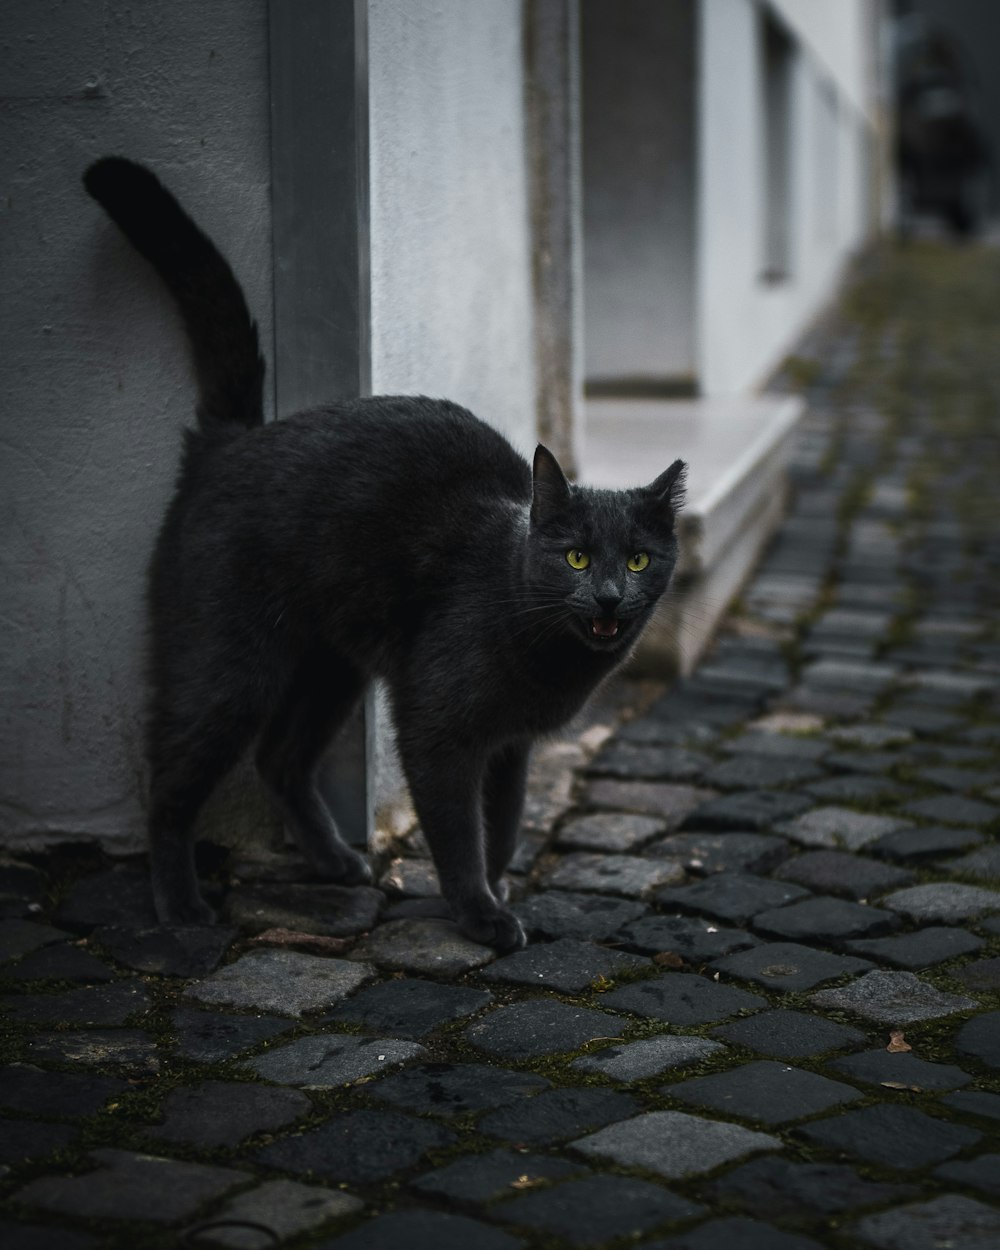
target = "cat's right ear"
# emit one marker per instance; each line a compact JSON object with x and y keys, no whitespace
{"x":549,"y":489}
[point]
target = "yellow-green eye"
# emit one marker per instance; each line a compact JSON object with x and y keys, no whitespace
{"x":577,"y":559}
{"x":638,"y":562}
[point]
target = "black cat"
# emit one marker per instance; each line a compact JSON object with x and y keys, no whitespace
{"x":395,"y":537}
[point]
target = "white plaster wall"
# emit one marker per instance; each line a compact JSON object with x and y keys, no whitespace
{"x":639,"y":70}
{"x":450,"y":241}
{"x":452,"y":303}
{"x":746,"y":325}
{"x":839,"y":35}
{"x":94,"y":378}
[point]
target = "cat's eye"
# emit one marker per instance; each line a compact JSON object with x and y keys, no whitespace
{"x":577,"y":559}
{"x":638,"y":562}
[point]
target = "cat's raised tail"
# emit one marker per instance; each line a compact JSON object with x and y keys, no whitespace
{"x":228,"y":364}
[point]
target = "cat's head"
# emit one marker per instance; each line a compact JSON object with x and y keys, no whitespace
{"x":598,"y":561}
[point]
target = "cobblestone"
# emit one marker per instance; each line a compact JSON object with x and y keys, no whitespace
{"x":771,"y":1093}
{"x":557,"y":1114}
{"x":881,"y":1067}
{"x":893,"y":998}
{"x":732,"y":897}
{"x":835,"y":872}
{"x":565,"y":965}
{"x":775,"y":1187}
{"x":840,"y":826}
{"x":358,"y":1146}
{"x":283,"y":981}
{"x":929,"y":1225}
{"x":630,"y":875}
{"x":980,"y":1037}
{"x":635,"y":1061}
{"x":585,"y":1212}
{"x":424,"y":1230}
{"x":789,"y":1034}
{"x":674,"y":1144}
{"x":540,"y":1027}
{"x":788,"y":966}
{"x":922,"y":949}
{"x":284,"y":1208}
{"x":409,"y":1008}
{"x":682,"y":998}
{"x":480,"y":1178}
{"x":327,"y":1060}
{"x":946,"y":901}
{"x":593,"y":917}
{"x":893,"y":1137}
{"x":129,"y":1186}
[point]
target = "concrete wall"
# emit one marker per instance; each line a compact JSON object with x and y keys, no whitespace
{"x":450,"y":236}
{"x":745,"y":323}
{"x":95,"y":380}
{"x":639,"y":67}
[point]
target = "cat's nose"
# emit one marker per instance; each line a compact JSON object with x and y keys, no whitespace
{"x":607,"y":598}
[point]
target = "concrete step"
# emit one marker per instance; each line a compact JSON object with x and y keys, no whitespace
{"x":737,"y":449}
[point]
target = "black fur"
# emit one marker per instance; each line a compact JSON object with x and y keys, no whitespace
{"x":395,"y":537}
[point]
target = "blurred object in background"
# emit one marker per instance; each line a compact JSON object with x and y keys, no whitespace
{"x":942,"y":148}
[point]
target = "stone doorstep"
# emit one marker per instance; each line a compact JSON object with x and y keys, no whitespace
{"x":738,"y":449}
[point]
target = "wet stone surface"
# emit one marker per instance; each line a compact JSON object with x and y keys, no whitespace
{"x":481,"y":1178}
{"x":788,"y":966}
{"x":876,"y":1067}
{"x":693,"y":939}
{"x":455,"y":1088}
{"x":409,"y":1007}
{"x":893,"y":998}
{"x":635,"y":1061}
{"x":773,"y":1187}
{"x":738,"y":890}
{"x":357,"y":1147}
{"x":558,"y":1114}
{"x":674,"y":1144}
{"x":769,"y":1092}
{"x":210,"y":1037}
{"x":789,"y":1034}
{"x":731,"y":897}
{"x":590,"y":917}
{"x":586,"y":1212}
{"x":682,"y":998}
{"x":564,"y":965}
{"x":224,"y":1113}
{"x":541,"y":1027}
{"x":893,"y":1137}
{"x":327,"y":1060}
{"x":283,"y":981}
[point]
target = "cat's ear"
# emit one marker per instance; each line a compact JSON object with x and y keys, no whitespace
{"x":549,"y":489}
{"x":669,"y":486}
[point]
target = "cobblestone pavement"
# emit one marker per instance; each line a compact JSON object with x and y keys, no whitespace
{"x":760,"y":1007}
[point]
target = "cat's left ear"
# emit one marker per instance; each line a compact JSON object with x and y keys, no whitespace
{"x":549,"y":489}
{"x":669,"y":487}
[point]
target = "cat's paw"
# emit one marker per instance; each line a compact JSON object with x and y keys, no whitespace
{"x":194,"y":911}
{"x":347,"y":867}
{"x":502,"y":930}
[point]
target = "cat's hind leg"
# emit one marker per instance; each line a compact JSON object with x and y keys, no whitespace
{"x":321,"y":696}
{"x":503,"y":802}
{"x":189,"y":753}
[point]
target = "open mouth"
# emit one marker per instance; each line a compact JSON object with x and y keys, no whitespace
{"x":604,"y":629}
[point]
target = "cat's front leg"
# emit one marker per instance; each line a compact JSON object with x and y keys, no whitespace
{"x":446,"y":788}
{"x":503,"y":803}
